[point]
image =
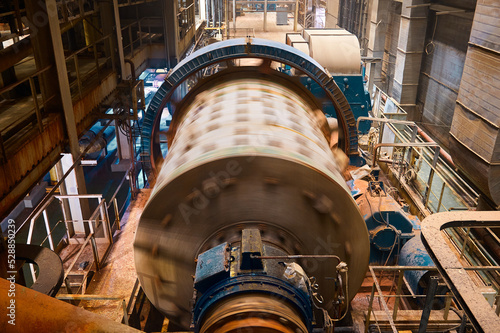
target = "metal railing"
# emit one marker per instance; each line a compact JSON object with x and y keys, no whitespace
{"x":83,"y":71}
{"x":473,"y":252}
{"x":478,"y":297}
{"x":99,"y":225}
{"x":86,"y":68}
{"x":432,"y":180}
{"x":426,"y":168}
{"x":33,"y":112}
{"x":242,"y":32}
{"x":88,"y":64}
{"x":391,"y":315}
{"x":138,"y":33}
{"x":68,"y":10}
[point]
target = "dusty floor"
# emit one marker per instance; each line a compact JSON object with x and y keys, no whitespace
{"x":253,"y":24}
{"x":117,"y":276}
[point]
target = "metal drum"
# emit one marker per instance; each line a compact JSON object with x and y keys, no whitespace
{"x":247,"y":149}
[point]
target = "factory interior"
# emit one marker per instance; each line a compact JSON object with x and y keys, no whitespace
{"x":225,"y":166}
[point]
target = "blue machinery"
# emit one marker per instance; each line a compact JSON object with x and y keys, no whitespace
{"x":389,"y":226}
{"x":250,"y":223}
{"x":353,"y":88}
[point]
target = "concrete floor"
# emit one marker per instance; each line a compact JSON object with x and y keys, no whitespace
{"x":253,"y":24}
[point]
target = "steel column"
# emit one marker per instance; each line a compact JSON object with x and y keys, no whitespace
{"x":119,"y":40}
{"x":426,"y":312}
{"x":384,"y":303}
{"x":296,"y":15}
{"x":478,"y":310}
{"x":62,"y":76}
{"x":265,"y":15}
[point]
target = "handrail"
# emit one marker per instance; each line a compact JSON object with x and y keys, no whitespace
{"x":451,"y":180}
{"x":26,"y":119}
{"x":385,"y":120}
{"x":400,"y":144}
{"x":140,"y":20}
{"x":88,"y":46}
{"x":15,"y":84}
{"x":48,"y":196}
{"x":119,"y":186}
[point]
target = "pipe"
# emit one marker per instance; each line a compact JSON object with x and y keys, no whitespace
{"x":51,"y":315}
{"x":443,"y":154}
{"x":98,"y":145}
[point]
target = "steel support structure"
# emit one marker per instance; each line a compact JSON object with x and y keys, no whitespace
{"x":480,"y":313}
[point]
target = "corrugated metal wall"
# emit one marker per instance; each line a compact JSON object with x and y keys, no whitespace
{"x":441,"y":71}
{"x":391,"y":47}
{"x":475,"y":130}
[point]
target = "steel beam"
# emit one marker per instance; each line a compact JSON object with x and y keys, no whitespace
{"x":426,"y":312}
{"x":15,"y":53}
{"x":480,"y":313}
{"x":118,"y":26}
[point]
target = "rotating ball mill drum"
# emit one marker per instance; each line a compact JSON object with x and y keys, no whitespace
{"x":247,"y":151}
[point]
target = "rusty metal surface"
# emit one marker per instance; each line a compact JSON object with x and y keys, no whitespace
{"x":36,"y":312}
{"x":248,"y":153}
{"x":479,"y":312}
{"x":83,"y":108}
{"x":384,"y":303}
{"x":29,"y":163}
